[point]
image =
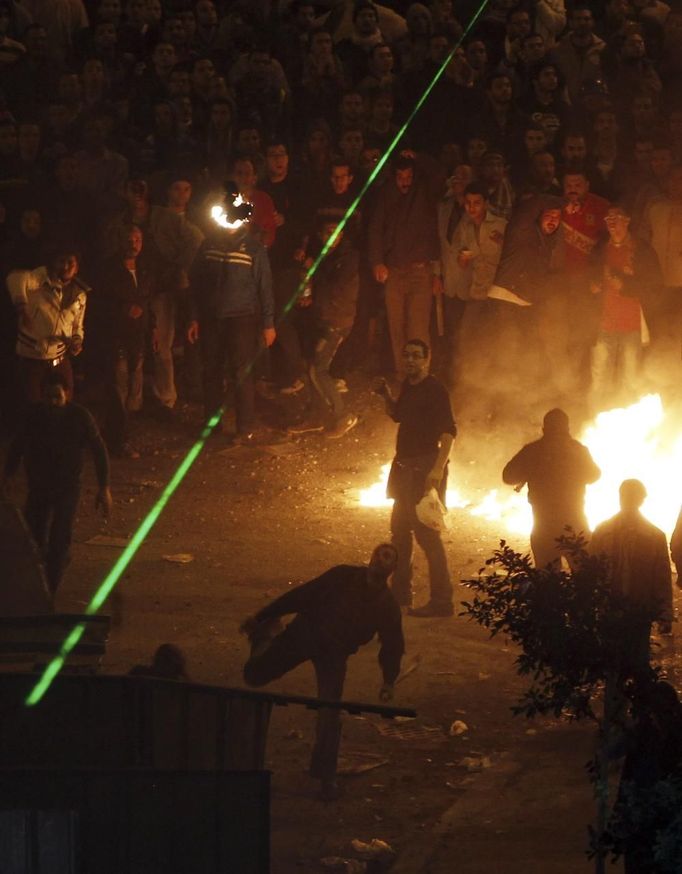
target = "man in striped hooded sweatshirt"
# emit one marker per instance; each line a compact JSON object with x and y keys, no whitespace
{"x":232,"y":305}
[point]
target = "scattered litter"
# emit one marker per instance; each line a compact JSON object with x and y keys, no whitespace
{"x":348,"y":866}
{"x":280,"y":449}
{"x":107,"y":540}
{"x":458,"y":727}
{"x":403,"y":718}
{"x":376,"y":849}
{"x":294,"y":734}
{"x":483,"y":676}
{"x":446,"y":674}
{"x":476,"y":763}
{"x":179,"y":557}
{"x":531,"y":731}
{"x":409,"y":732}
{"x":451,"y":785}
{"x":359,"y":763}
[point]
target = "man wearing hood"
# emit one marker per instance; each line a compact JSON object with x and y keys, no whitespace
{"x":232,"y":302}
{"x":533,"y":251}
{"x":557,"y":469}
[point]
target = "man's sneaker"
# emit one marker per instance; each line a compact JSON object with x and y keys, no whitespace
{"x":431,"y":610}
{"x":342,"y":427}
{"x":341,"y":386}
{"x":293,"y":389}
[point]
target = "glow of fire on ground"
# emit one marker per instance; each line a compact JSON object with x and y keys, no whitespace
{"x":627,"y":442}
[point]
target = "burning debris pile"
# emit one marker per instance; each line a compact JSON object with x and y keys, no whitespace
{"x":639,"y":441}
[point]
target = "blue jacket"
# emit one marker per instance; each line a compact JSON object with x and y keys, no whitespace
{"x":232,"y":278}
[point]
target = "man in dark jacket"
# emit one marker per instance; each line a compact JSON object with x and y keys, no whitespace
{"x":336,"y":614}
{"x":232,"y":302}
{"x":532,"y":326}
{"x":425,"y":435}
{"x":125,"y":290}
{"x":335,"y":294}
{"x":51,"y":441}
{"x":557,"y":468}
{"x":402,"y":244}
{"x":639,"y":567}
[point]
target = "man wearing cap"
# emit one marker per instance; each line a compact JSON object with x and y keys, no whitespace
{"x":557,"y":469}
{"x":626,"y":279}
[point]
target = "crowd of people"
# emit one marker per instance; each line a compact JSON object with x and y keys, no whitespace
{"x":528,"y":224}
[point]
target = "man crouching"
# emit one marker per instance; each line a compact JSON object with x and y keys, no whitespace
{"x":336,"y":614}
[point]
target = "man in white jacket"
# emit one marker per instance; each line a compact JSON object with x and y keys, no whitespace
{"x":50,"y":303}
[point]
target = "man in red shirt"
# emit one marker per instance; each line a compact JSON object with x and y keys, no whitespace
{"x":627,"y":273}
{"x":263,"y":220}
{"x":582,"y":224}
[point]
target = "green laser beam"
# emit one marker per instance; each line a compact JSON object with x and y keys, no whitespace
{"x":53,"y":668}
{"x":114,"y":575}
{"x":380,"y":164}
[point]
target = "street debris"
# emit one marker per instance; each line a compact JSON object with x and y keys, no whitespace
{"x":359,"y":763}
{"x":179,"y":557}
{"x":294,"y":734}
{"x":375,"y":849}
{"x":457,"y":728}
{"x":410,"y":731}
{"x":348,"y":866}
{"x":476,"y":763}
{"x":107,"y":540}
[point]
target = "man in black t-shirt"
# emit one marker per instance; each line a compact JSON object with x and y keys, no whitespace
{"x":425,"y":435}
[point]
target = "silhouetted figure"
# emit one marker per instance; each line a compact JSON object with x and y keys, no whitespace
{"x":51,"y":441}
{"x":336,"y":614}
{"x":557,"y":468}
{"x":639,"y":568}
{"x":653,"y":754}
{"x":168,"y":663}
{"x":676,"y":547}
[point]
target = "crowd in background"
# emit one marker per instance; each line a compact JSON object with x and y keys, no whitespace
{"x":528,"y":226}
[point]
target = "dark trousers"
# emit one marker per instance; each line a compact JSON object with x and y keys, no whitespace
{"x":286,"y":355}
{"x":36,"y":371}
{"x":325,"y":385}
{"x":404,"y":523}
{"x":548,"y":527}
{"x":285,"y":652}
{"x":49,"y":513}
{"x":230,"y":343}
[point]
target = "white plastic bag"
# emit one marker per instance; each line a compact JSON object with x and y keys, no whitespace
{"x":431,"y":512}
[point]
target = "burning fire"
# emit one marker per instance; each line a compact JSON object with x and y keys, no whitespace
{"x":635,"y":441}
{"x":219,"y":216}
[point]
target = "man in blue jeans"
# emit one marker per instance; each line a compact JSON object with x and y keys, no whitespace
{"x":426,"y":430}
